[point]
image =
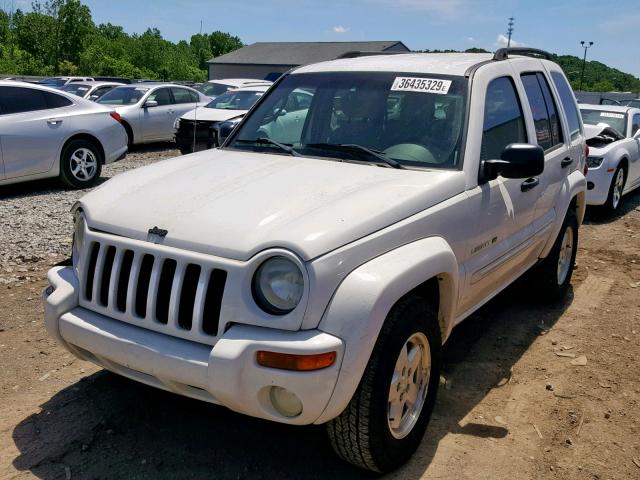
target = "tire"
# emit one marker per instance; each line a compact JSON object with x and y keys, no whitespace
{"x":363,"y":433}
{"x":615,"y":190}
{"x":80,"y":164}
{"x":552,"y":276}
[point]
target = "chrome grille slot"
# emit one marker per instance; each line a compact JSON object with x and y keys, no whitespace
{"x":167,"y":275}
{"x":157,"y":288}
{"x":142,"y":292}
{"x":188,"y":296}
{"x":123,"y":281}
{"x":213,"y":301}
{"x":105,"y":281}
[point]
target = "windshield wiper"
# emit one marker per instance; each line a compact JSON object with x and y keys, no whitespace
{"x":281,"y":146}
{"x":352,"y":147}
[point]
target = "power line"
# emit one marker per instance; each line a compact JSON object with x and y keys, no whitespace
{"x":510,"y":30}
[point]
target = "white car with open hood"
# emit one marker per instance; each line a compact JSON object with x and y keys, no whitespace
{"x":198,"y":128}
{"x":613,"y":136}
{"x":308,"y":272}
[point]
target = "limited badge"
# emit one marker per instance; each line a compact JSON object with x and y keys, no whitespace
{"x":424,"y":85}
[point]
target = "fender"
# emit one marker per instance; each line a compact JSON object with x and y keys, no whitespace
{"x":361,"y":303}
{"x":575,"y":186}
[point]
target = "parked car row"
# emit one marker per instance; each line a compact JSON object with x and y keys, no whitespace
{"x":310,"y":269}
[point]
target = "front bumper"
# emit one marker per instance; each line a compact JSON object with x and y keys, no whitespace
{"x":225,"y":374}
{"x":600,"y":180}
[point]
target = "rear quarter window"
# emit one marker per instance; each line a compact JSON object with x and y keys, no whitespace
{"x":568,"y":103}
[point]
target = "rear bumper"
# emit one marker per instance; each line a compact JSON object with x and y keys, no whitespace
{"x":225,"y":373}
{"x":116,"y":155}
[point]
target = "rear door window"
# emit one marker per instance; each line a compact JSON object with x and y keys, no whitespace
{"x":20,"y":100}
{"x":545,"y":116}
{"x":182,"y":95}
{"x":503,"y":119}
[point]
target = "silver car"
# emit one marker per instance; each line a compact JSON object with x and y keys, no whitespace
{"x":49,"y":133}
{"x":149,"y":110}
{"x":91,"y":90}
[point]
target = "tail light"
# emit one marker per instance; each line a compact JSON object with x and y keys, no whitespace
{"x":586,"y":164}
{"x":116,"y":116}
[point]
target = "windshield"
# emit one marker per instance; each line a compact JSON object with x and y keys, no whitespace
{"x":414,"y":119}
{"x":634,"y":103}
{"x":123,"y":96}
{"x":52,"y":82}
{"x":235,"y":100}
{"x":615,"y":120}
{"x":212,"y":89}
{"x":76,"y":88}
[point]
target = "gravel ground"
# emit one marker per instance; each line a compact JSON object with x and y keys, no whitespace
{"x":35,"y":219}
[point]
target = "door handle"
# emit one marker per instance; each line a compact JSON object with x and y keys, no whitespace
{"x":529,"y":183}
{"x":566,"y":162}
{"x":54,"y":121}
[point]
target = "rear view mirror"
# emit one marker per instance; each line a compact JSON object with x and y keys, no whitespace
{"x":150,"y":103}
{"x":518,"y":160}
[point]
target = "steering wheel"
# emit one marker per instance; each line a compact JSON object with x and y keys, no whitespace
{"x":411,"y":152}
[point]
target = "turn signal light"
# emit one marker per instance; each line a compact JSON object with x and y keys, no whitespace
{"x":302,"y":363}
{"x":116,"y":117}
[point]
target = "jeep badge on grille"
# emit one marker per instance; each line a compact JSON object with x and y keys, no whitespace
{"x":156,"y":234}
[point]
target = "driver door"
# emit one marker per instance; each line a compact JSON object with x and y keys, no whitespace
{"x":157,"y":122}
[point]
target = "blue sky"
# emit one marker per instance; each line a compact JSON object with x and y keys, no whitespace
{"x":555,"y":25}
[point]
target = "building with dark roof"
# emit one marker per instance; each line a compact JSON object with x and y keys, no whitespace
{"x":268,"y":60}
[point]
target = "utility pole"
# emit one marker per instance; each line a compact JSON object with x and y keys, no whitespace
{"x":585,"y":45}
{"x":510,"y":31}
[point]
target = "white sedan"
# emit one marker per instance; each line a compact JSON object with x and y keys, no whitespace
{"x":48,"y":133}
{"x":613,"y":136}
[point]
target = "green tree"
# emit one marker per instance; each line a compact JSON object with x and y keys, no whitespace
{"x":222,"y":42}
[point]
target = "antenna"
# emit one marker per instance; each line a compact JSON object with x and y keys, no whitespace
{"x":195,"y":123}
{"x":510,"y":30}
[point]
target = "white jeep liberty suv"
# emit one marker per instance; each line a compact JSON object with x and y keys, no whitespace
{"x":310,"y":270}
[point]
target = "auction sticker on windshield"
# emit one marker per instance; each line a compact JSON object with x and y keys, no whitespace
{"x":424,"y":85}
{"x":612,"y":115}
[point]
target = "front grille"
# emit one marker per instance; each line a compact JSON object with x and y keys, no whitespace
{"x":154,"y":289}
{"x":204,"y":133}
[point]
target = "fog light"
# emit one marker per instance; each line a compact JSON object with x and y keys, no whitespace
{"x":285,"y":402}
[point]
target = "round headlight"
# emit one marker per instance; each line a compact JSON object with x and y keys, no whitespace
{"x":278,"y":285}
{"x":78,"y":237}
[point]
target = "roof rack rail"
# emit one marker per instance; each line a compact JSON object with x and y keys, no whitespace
{"x":359,"y":53}
{"x":503,"y":53}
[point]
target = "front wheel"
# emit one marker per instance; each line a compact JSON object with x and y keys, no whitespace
{"x":386,"y":419}
{"x":553,"y":274}
{"x":615,"y":190}
{"x":80,"y":164}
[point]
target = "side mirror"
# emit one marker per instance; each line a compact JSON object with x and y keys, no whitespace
{"x":150,"y":103}
{"x":225,"y":128}
{"x":517,"y":160}
{"x":636,"y":134}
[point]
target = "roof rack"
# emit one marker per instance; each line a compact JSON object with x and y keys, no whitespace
{"x":358,"y":53}
{"x":503,"y":53}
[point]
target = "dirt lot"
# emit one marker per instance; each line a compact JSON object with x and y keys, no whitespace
{"x":514,"y":405}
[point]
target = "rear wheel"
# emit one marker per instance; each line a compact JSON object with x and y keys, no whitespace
{"x":615,"y":190}
{"x":80,"y":164}
{"x":553,"y":275}
{"x":386,"y":419}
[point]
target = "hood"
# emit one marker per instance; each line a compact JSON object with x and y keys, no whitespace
{"x":212,"y":114}
{"x":234,"y":204}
